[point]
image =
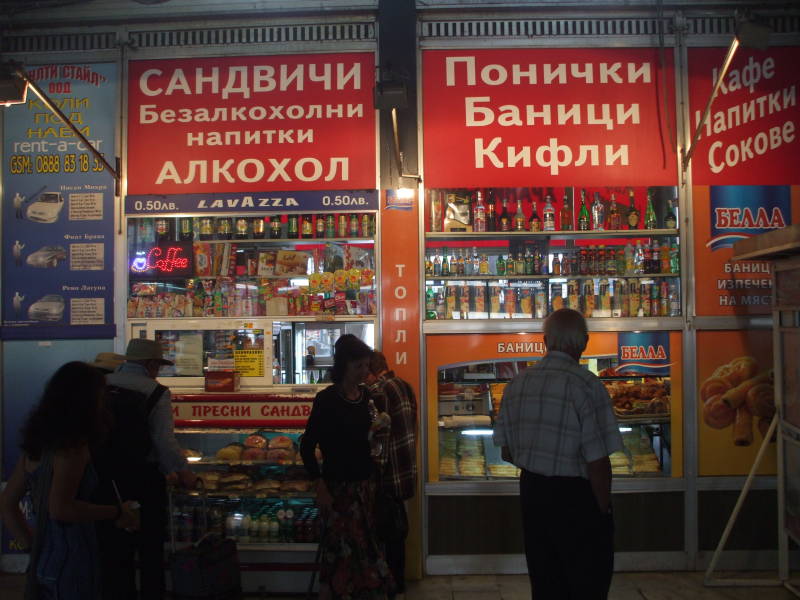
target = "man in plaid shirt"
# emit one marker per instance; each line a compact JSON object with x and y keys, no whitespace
{"x":557,"y":425}
{"x":398,"y":479}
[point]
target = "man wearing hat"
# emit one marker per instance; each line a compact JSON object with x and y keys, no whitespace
{"x":142,"y":361}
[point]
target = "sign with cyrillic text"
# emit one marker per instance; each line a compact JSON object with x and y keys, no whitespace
{"x":278,"y":412}
{"x":751,"y":135}
{"x":253,"y":123}
{"x":722,"y":216}
{"x":576,"y":117}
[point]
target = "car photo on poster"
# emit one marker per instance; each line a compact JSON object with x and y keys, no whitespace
{"x":47,"y":308}
{"x":47,"y":257}
{"x":46,"y":209}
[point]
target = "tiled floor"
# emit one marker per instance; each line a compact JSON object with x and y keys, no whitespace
{"x":626,"y":586}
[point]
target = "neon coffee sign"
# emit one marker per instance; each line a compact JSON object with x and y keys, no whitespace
{"x":169,"y":260}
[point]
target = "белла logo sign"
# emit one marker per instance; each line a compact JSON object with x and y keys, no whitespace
{"x":739,"y":212}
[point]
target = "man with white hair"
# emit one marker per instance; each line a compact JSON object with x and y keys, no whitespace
{"x":557,"y":425}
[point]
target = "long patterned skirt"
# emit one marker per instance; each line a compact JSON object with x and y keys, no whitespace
{"x":353,"y":566}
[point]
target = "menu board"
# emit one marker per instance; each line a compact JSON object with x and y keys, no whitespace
{"x":58,"y":207}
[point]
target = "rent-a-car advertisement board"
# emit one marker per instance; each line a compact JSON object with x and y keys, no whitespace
{"x":58,"y":207}
{"x":573,"y":117}
{"x":251,"y":124}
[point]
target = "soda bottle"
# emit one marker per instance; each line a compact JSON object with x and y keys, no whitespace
{"x":293,"y":227}
{"x":224,"y":228}
{"x":163,"y":229}
{"x":319,"y":226}
{"x":187,"y":233}
{"x":242,"y":228}
{"x":206,"y":228}
{"x":275,"y":227}
{"x":307,"y":227}
{"x":258,"y":227}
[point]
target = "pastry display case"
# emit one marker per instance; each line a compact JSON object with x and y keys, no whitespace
{"x":469,"y":397}
{"x":245,"y":450}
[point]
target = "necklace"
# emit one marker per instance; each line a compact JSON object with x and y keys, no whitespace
{"x":344,"y":397}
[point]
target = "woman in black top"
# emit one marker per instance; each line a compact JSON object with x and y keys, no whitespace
{"x":352,"y":564}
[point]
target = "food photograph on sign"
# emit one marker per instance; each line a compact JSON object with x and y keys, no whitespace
{"x":736,"y":398}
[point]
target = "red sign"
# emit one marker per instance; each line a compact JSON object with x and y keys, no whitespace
{"x":257,"y":123}
{"x":574,"y":117}
{"x":751,"y":136}
{"x":247,"y":410}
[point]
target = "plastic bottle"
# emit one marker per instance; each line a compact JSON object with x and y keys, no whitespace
{"x":244,"y":529}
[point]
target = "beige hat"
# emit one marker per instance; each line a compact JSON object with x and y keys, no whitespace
{"x":142,"y":349}
{"x":108,"y":361}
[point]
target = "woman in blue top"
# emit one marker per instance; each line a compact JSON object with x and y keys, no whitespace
{"x":56,"y":468}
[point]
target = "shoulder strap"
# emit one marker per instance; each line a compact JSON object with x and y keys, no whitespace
{"x":153,"y":398}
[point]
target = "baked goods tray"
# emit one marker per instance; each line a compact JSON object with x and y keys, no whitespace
{"x":219,"y":461}
{"x":246,"y":494}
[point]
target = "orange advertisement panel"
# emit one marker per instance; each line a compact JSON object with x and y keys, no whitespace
{"x":400,"y":286}
{"x":736,"y":401}
{"x":449,"y":350}
{"x":722,"y":216}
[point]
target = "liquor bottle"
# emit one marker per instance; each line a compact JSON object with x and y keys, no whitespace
{"x":476,"y":262}
{"x":275,"y":227}
{"x":187,"y":229}
{"x":629,"y":259}
{"x":650,"y":213}
{"x":505,"y":218}
{"x":583,"y":214}
{"x":583,"y":261}
{"x":548,"y":214}
{"x":242,"y":228}
{"x":611,"y":261}
{"x":531,"y":264}
{"x":445,"y":263}
{"x":556,"y":269}
{"x":591,"y":262}
{"x":206,"y":228}
{"x":259,"y":227}
{"x":319,"y":227}
{"x":519,"y":264}
{"x":428,"y":265}
{"x":293,"y":227}
{"x":483,"y":265}
{"x":598,"y":213}
{"x":461,"y":264}
{"x":638,"y":258}
{"x":491,"y":216}
{"x":500,"y":265}
{"x":437,"y":264}
{"x":535,"y":223}
{"x":633,"y":213}
{"x":670,"y":220}
{"x":614,"y":218}
{"x":566,"y":214}
{"x":621,"y":262}
{"x":573,"y":264}
{"x":479,"y":213}
{"x":519,"y":217}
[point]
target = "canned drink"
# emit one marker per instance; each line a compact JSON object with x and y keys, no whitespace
{"x":242,"y":228}
{"x":341,"y":226}
{"x":224,"y":228}
{"x":162,"y":228}
{"x":352,"y":227}
{"x":330,"y":226}
{"x":366,"y":225}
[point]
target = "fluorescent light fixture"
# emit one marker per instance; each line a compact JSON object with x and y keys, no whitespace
{"x":194,"y":458}
{"x":625,"y":429}
{"x":477,"y":432}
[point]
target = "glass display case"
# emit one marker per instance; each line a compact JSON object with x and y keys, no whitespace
{"x":245,"y":449}
{"x":520,"y":253}
{"x":469,"y":396}
{"x":220,"y":267}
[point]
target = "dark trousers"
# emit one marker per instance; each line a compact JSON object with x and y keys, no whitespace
{"x":118,"y":549}
{"x":392,"y":522}
{"x":569,"y":544}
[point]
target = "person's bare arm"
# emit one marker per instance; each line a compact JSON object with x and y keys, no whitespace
{"x":600,"y":479}
{"x":9,"y":506}
{"x":68,"y":468}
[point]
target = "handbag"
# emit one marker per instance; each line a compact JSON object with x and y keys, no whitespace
{"x":208,"y":568}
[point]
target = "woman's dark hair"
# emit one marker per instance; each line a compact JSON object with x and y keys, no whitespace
{"x":347,"y":349}
{"x":69,"y":413}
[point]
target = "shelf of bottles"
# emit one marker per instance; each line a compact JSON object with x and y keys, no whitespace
{"x":242,"y":266}
{"x":254,"y":523}
{"x":519,"y":253}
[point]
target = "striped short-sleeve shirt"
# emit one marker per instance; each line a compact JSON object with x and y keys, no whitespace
{"x":556,"y":417}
